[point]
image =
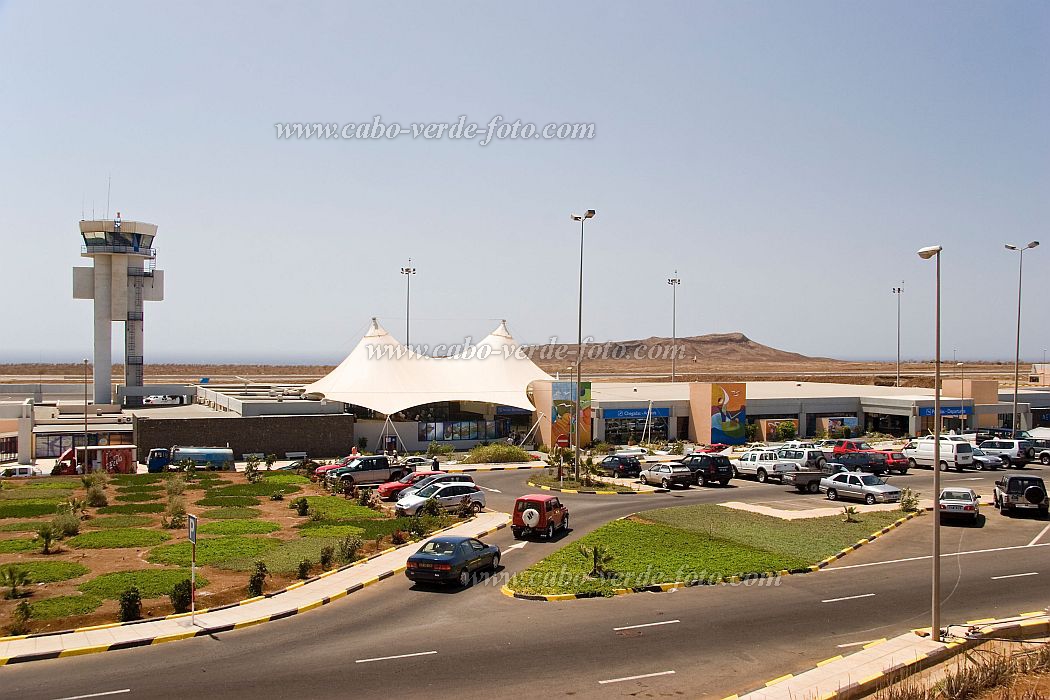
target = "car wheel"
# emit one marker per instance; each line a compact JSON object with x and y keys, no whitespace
{"x":1044,"y":458}
{"x":550,"y":531}
{"x":978,"y":466}
{"x":565,"y":523}
{"x":833,"y":495}
{"x":464,"y":578}
{"x":761,"y":476}
{"x":1030,"y":453}
{"x":724,"y":482}
{"x":869,"y":499}
{"x":665,"y":484}
{"x":495,"y":562}
{"x":813,"y":487}
{"x":475,"y":507}
{"x":944,"y":466}
{"x":736,"y":473}
{"x":911,"y":463}
{"x":701,"y":481}
{"x":903,"y":472}
{"x":821,"y":462}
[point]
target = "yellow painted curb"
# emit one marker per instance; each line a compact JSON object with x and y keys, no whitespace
{"x":833,"y":659}
{"x":875,"y":643}
{"x":82,"y":651}
{"x":173,"y":637}
{"x":786,"y":676}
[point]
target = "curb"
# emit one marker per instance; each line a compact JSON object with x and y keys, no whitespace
{"x":978,"y":630}
{"x":222,"y":628}
{"x":740,"y":578}
{"x":458,"y":470}
{"x":593,"y":492}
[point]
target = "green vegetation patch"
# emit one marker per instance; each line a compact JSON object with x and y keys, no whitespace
{"x":322,"y":529}
{"x":141,"y":488}
{"x":114,"y":521}
{"x":51,"y":482}
{"x":139,"y":496}
{"x":266,"y":487}
{"x":17,"y":545}
{"x":133,"y":479}
{"x":552,"y":481}
{"x":37,"y":494}
{"x":231,"y":513}
{"x":339,"y":509}
{"x":227,"y":501}
{"x":50,"y":571}
{"x":238,"y":527}
{"x":21,"y":526}
{"x":152,"y":583}
{"x":214,"y":551}
{"x":285,"y":557}
{"x":64,"y":606}
{"x":118,"y":538}
{"x":496,"y":453}
{"x":284,"y":477}
{"x":27,"y":509}
{"x":129,"y":508}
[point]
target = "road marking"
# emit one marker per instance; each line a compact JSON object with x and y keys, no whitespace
{"x":1030,"y":573}
{"x":972,"y":478}
{"x":854,"y":644}
{"x":634,"y":678}
{"x":648,"y":624}
{"x":488,"y":489}
{"x":1039,"y":536}
{"x":399,"y":656}
{"x":519,"y":545}
{"x":97,"y":695}
{"x":929,"y":556}
{"x":849,"y":597}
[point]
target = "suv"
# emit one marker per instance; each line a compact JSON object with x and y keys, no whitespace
{"x":1021,"y":492}
{"x":870,"y":462}
{"x":1041,"y":450}
{"x":1007,"y":433}
{"x":374,"y":469}
{"x":895,"y":461}
{"x":448,"y":496}
{"x":437,"y":478}
{"x":804,"y":457}
{"x":621,"y":466}
{"x":842,"y":446}
{"x":1013,"y":452}
{"x":539,"y":513}
{"x":708,"y":468}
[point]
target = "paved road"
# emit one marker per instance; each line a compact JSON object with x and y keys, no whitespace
{"x":479,"y":643}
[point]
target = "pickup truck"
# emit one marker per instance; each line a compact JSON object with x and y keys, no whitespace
{"x":808,"y":480}
{"x":373,"y":469}
{"x":761,"y":464}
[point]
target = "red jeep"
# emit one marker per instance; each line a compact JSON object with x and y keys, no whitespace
{"x":539,"y":513}
{"x":842,"y":446}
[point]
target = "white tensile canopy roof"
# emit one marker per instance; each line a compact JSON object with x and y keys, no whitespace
{"x":384,"y":375}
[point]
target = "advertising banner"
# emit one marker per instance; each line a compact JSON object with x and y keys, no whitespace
{"x":563,"y":411}
{"x":728,"y":413}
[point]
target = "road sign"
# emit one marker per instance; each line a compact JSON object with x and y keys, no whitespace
{"x":191,"y":524}
{"x":191,"y":527}
{"x":563,"y":441}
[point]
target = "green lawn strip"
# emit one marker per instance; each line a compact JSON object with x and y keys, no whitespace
{"x":49,"y":571}
{"x":214,"y":551}
{"x":139,"y":496}
{"x":339,"y":509}
{"x":238,"y":527}
{"x":152,"y":583}
{"x":141,"y":488}
{"x":129,"y":508}
{"x":266,"y":487}
{"x":811,"y":539}
{"x":56,"y":482}
{"x":18,"y":545}
{"x":113,"y":521}
{"x":552,"y":481}
{"x":64,"y":606}
{"x":285,"y":557}
{"x":130,"y":479}
{"x":369,"y":529}
{"x":118,"y":538}
{"x":27,"y":508}
{"x":323,"y":529}
{"x":226,"y":501}
{"x":35,"y":494}
{"x":22,"y":526}
{"x":231,"y":513}
{"x":285,"y":478}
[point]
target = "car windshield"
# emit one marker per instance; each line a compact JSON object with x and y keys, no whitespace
{"x":863,"y":446}
{"x":956,"y":496}
{"x":437,"y":547}
{"x":870,"y":480}
{"x":409,"y":478}
{"x":428,"y":491}
{"x":978,"y":452}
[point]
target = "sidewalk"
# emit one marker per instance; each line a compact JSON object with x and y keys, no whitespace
{"x":295,"y":599}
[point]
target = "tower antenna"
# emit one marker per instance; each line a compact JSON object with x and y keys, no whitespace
{"x":109,"y":183}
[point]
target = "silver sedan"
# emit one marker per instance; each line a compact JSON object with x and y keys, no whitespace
{"x":863,"y":487}
{"x":959,"y":503}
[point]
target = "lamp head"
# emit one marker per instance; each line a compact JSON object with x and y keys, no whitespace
{"x":1033,"y":244}
{"x":1011,"y":246}
{"x":929,"y":251}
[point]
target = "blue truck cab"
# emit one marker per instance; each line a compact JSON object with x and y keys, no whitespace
{"x":213,"y":458}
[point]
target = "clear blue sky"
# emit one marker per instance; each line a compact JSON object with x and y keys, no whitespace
{"x":787,"y":158}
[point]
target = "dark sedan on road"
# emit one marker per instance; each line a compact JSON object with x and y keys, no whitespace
{"x":452,"y":560}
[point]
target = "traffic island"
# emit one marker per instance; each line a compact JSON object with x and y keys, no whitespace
{"x":617,"y":487}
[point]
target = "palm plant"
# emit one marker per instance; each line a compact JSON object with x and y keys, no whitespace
{"x":12,"y":577}
{"x":600,"y":558}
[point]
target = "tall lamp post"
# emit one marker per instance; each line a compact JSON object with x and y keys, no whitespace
{"x":674,"y":282}
{"x":926,"y":253}
{"x":582,"y":218}
{"x":897,"y":291}
{"x":408,"y":272}
{"x":83,"y":465}
{"x":1017,"y":345}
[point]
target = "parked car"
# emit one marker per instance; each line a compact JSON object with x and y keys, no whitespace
{"x":538,"y":513}
{"x":953,"y":453}
{"x":1007,"y":433}
{"x":416,"y":462}
{"x":708,"y":468}
{"x":848,"y":445}
{"x":804,"y":457}
{"x":808,"y":480}
{"x":621,"y":466}
{"x":391,"y":490}
{"x":797,"y":445}
{"x":452,"y":560}
{"x":1041,"y":451}
{"x":667,"y":475}
{"x":436,"y":478}
{"x":373,"y":469}
{"x":320,"y":471}
{"x":18,"y":472}
{"x":758,"y":463}
{"x":1013,"y":492}
{"x":982,"y":460}
{"x":870,"y":462}
{"x":639,"y":452}
{"x":717,"y":447}
{"x":306,"y":464}
{"x":959,"y":503}
{"x":895,"y":461}
{"x":1015,"y":453}
{"x":863,"y":487}
{"x":449,"y":496}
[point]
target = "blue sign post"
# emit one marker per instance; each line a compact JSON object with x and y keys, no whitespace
{"x":191,"y":527}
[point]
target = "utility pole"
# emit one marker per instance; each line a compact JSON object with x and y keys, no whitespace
{"x":408,"y":272}
{"x":674,"y":282}
{"x":582,"y":218}
{"x":897,"y":291}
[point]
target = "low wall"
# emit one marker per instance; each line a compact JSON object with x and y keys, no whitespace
{"x":318,"y":436}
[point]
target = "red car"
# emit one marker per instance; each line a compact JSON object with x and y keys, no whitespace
{"x":538,"y":513}
{"x":391,"y":489}
{"x":320,"y":471}
{"x":895,"y":461}
{"x":842,"y":446}
{"x":717,"y":447}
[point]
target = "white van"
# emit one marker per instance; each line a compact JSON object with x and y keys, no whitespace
{"x":954,"y":453}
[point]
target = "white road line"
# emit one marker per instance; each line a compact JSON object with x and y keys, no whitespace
{"x":399,"y":656}
{"x":519,"y":545}
{"x":649,"y":624}
{"x":1030,"y":573}
{"x":972,"y":478}
{"x":634,"y":678}
{"x":854,"y":644}
{"x":849,"y":597}
{"x":488,"y":489}
{"x":930,"y":556}
{"x":97,"y":695}
{"x":1039,"y":536}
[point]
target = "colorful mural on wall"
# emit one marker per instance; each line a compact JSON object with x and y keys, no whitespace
{"x":728,"y":413}
{"x":563,"y":411}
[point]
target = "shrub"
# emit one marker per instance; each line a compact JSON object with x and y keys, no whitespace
{"x":76,"y":506}
{"x":130,"y":605}
{"x":849,"y":514}
{"x":96,"y":497}
{"x":175,"y":522}
{"x":362,"y":443}
{"x":437,"y":449}
{"x":270,"y":460}
{"x":257,"y":579}
{"x":277,"y":497}
{"x":600,"y":559}
{"x":677,"y":447}
{"x":304,"y":569}
{"x":327,"y":556}
{"x":181,"y":596}
{"x":66,"y":524}
{"x":175,"y":513}
{"x":302,"y":506}
{"x":399,"y":537}
{"x":349,"y":547}
{"x":251,"y":470}
{"x":47,"y":534}
{"x":368,"y":498}
{"x":909,"y":502}
{"x":499,"y":452}
{"x":174,"y":485}
{"x":429,"y":507}
{"x":11,"y":577}
{"x":20,"y":619}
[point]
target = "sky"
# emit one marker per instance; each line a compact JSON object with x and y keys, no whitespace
{"x":787,"y":159}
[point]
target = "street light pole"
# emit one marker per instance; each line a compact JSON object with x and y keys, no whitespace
{"x":1017,"y":345}
{"x":408,"y":272}
{"x":935,"y":622}
{"x":897,"y":291}
{"x":582,"y":218}
{"x":83,"y":465}
{"x":674,"y":282}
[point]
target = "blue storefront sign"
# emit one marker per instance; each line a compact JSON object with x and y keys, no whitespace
{"x":947,"y":410}
{"x":608,"y":413}
{"x":512,"y":411}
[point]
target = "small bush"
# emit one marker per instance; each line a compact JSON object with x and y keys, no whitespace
{"x":20,"y":619}
{"x":437,"y":449}
{"x":304,"y":569}
{"x":430,"y":507}
{"x":271,"y":459}
{"x":251,"y":470}
{"x":174,"y":522}
{"x":277,"y":497}
{"x":257,"y":579}
{"x":96,"y":497}
{"x":302,"y":506}
{"x":349,"y":547}
{"x":130,"y":605}
{"x":181,"y":596}
{"x":67,"y":524}
{"x":399,"y":537}
{"x":909,"y":502}
{"x":849,"y":514}
{"x":174,"y":485}
{"x":368,"y":498}
{"x":327,"y":556}
{"x":47,"y":533}
{"x":497,"y":453}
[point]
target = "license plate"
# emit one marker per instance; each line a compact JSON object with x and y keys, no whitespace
{"x":955,"y":507}
{"x":1025,"y":505}
{"x":425,"y":565}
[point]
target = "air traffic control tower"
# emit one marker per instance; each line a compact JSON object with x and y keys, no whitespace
{"x":123,"y":276}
